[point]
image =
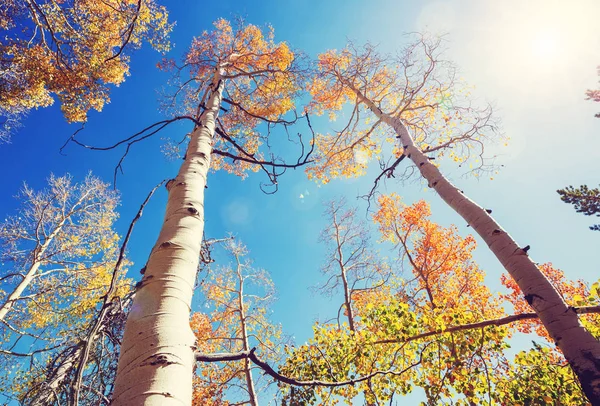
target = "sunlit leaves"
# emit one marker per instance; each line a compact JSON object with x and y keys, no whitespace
{"x":539,"y":376}
{"x":72,"y":51}
{"x":62,"y":244}
{"x":443,"y":288}
{"x":66,"y":232}
{"x":262,"y":79}
{"x":418,"y":87}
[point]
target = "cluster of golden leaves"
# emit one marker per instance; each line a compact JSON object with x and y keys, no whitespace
{"x":75,"y":221}
{"x":72,"y":51}
{"x":209,"y":387}
{"x":402,"y":325}
{"x":445,"y":288}
{"x":261,"y":77}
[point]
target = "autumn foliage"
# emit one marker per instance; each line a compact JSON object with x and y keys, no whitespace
{"x":58,"y":256}
{"x":72,"y":51}
{"x":417,"y":86}
{"x":238,"y":296}
{"x":415,"y":312}
{"x":399,"y":342}
{"x":262,"y":79}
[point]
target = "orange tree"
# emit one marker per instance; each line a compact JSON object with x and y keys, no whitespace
{"x":413,"y":107}
{"x":436,"y":326}
{"x":444,"y":287}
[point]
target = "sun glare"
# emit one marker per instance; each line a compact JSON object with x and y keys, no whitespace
{"x":545,"y":45}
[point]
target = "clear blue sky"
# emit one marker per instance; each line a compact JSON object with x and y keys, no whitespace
{"x":534,"y":61}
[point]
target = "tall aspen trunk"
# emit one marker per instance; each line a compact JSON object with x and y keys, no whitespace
{"x":156,"y":363}
{"x":20,"y":288}
{"x":31,"y":273}
{"x":579,"y":347}
{"x":246,"y":345}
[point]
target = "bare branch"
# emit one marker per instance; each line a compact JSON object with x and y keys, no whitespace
{"x":292,"y":381}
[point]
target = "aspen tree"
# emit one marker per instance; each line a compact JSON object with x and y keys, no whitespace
{"x":414,"y":106}
{"x":258,"y":79}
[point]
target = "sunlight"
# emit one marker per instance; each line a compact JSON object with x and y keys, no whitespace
{"x":546,"y":45}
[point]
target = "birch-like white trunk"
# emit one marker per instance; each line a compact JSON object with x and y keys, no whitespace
{"x":20,"y":288}
{"x":156,"y":363}
{"x":38,"y":254}
{"x":340,"y":260}
{"x":245,"y":342}
{"x":579,"y":347}
{"x":48,"y":394}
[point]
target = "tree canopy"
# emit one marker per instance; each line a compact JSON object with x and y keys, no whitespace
{"x":412,"y":253}
{"x":71,"y":50}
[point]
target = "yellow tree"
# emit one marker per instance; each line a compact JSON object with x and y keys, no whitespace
{"x":61,"y":241}
{"x":239,"y":296}
{"x":412,"y":106}
{"x":57,"y":255}
{"x":260,"y":78}
{"x":446,"y":288}
{"x":71,"y":50}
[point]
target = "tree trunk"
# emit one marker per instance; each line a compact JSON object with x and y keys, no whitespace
{"x":579,"y":347}
{"x":246,"y":345}
{"x":31,"y":273}
{"x":20,"y":288}
{"x":340,"y":260}
{"x":59,"y":377}
{"x":48,"y":393}
{"x":156,"y":363}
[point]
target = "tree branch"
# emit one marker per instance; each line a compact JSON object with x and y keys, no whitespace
{"x":495,"y":322}
{"x":218,"y":357}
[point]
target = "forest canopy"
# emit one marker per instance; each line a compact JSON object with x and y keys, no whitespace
{"x":323,"y":205}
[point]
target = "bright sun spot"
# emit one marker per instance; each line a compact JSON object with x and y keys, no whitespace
{"x":546,"y":45}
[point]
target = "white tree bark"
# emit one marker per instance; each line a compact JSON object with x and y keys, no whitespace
{"x":48,"y":392}
{"x":38,"y":254}
{"x":25,"y":282}
{"x":245,"y":342}
{"x":157,"y":355}
{"x":579,"y":347}
{"x":340,"y":261}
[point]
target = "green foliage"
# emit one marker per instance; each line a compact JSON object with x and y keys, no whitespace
{"x":584,"y":199}
{"x":539,"y":376}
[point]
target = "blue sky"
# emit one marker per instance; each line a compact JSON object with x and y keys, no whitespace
{"x":533,"y":60}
